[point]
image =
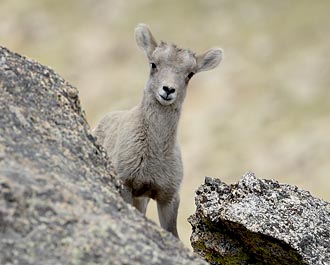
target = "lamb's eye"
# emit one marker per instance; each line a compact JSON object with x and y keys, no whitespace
{"x":191,"y":74}
{"x":153,"y":66}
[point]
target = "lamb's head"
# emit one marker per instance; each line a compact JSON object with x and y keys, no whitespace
{"x":171,"y":68}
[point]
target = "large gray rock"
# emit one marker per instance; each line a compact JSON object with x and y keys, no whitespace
{"x":59,"y":200}
{"x":260,"y":222}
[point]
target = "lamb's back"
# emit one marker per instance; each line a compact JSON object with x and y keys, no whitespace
{"x":107,"y":130}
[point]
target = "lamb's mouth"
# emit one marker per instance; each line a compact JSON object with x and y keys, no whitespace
{"x":167,"y":99}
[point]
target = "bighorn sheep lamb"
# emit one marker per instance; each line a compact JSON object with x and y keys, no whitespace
{"x":142,"y":142}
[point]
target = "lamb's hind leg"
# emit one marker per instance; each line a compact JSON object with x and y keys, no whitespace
{"x":167,"y":214}
{"x":126,"y":193}
{"x":141,"y":204}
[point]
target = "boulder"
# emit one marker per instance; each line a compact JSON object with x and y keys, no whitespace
{"x":258,"y":221}
{"x":59,"y":199}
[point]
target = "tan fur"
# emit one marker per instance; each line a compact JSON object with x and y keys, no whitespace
{"x":142,"y":142}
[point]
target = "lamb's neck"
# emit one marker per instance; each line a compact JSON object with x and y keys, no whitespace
{"x":160,"y":123}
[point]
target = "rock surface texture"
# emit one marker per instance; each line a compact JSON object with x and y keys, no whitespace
{"x":59,"y":200}
{"x":260,"y":222}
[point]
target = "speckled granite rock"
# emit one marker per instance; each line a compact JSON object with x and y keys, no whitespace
{"x":260,"y":222}
{"x":59,"y":200}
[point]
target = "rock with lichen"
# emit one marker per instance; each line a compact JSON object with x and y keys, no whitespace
{"x":59,"y":199}
{"x":260,"y":221}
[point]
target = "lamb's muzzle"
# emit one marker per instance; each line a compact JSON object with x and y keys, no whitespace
{"x":167,"y":94}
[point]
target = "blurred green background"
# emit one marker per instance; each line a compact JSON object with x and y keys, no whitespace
{"x":266,"y":109}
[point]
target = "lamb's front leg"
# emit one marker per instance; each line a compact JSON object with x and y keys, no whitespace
{"x":141,"y":204}
{"x":168,"y":213}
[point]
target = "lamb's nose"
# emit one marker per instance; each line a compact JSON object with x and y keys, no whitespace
{"x":168,"y":90}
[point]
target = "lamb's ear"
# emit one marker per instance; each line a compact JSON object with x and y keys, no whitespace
{"x":209,"y":59}
{"x":145,"y":40}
